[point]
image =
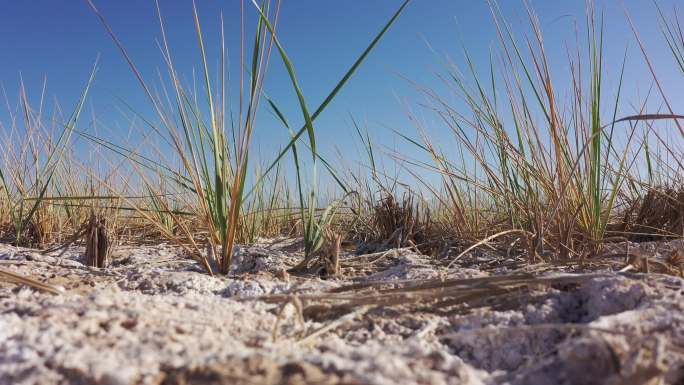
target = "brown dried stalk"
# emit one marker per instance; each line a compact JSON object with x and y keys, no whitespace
{"x":98,"y":242}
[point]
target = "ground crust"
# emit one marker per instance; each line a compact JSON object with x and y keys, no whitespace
{"x":154,"y":317}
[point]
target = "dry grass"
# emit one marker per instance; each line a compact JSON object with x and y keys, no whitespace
{"x":567,"y":172}
{"x":432,"y":295}
{"x":10,"y":276}
{"x":397,"y":222}
{"x":658,"y":215}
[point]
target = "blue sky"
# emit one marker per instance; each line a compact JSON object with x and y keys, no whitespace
{"x":60,"y":40}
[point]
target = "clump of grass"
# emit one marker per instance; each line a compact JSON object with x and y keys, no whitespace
{"x":386,"y":213}
{"x":556,"y":177}
{"x":400,"y":223}
{"x":214,"y":150}
{"x":657,"y":215}
{"x":314,"y":224}
{"x":34,"y":148}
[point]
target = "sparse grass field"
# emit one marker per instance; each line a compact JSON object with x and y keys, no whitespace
{"x":550,"y":191}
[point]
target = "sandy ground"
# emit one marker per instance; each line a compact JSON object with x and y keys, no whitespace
{"x":397,"y":318}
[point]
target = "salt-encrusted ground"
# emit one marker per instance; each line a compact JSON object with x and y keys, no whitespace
{"x":155,"y":318}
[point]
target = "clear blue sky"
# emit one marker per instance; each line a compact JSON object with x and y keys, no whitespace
{"x":61,"y":39}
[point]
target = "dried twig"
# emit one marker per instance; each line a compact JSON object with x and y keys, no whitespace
{"x":98,"y":243}
{"x":18,"y":278}
{"x":332,"y":325}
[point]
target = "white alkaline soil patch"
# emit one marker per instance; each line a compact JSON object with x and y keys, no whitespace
{"x":154,"y":317}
